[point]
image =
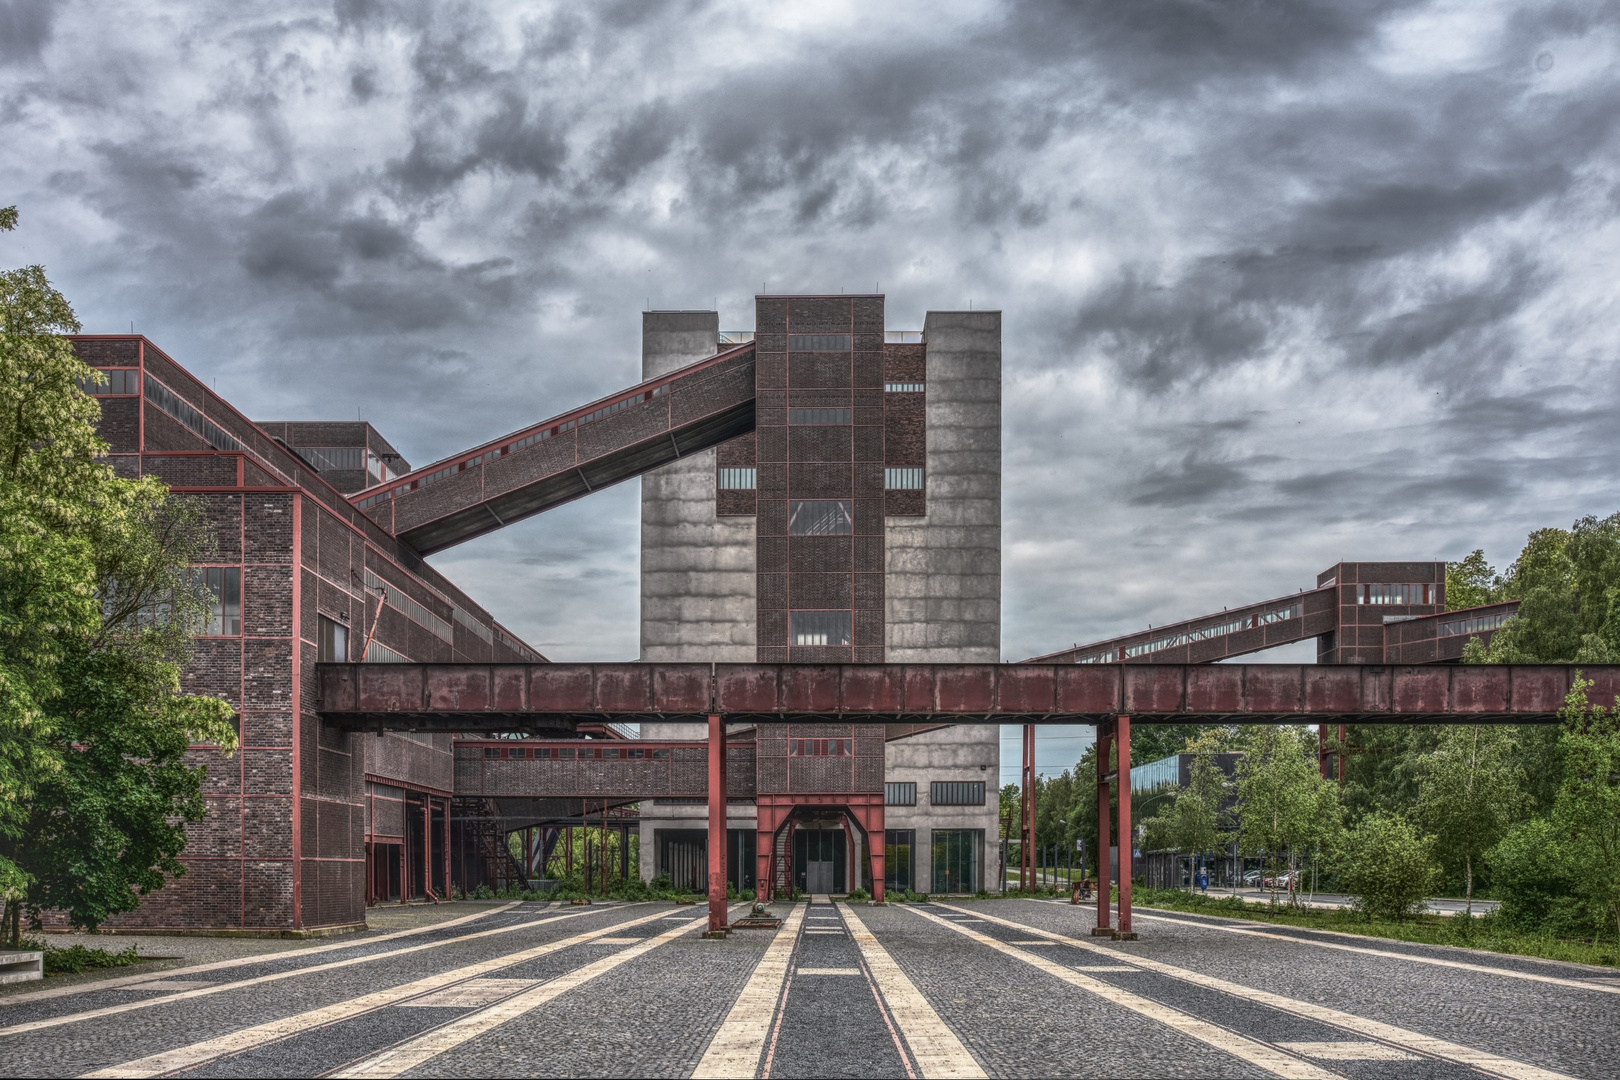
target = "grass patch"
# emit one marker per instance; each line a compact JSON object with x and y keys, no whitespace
{"x":1478,"y":933}
{"x":77,"y":958}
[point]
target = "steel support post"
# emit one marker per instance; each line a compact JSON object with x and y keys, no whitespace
{"x":1122,"y":779}
{"x":717,"y":825}
{"x":876,"y":841}
{"x":1105,"y":748}
{"x":1026,"y":845}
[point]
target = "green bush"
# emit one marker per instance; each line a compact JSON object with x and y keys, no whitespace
{"x":858,"y":895}
{"x":1387,"y":867}
{"x":76,"y":958}
{"x":1535,"y":878}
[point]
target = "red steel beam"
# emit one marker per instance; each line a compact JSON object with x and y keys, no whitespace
{"x":482,"y":697}
{"x":717,"y":826}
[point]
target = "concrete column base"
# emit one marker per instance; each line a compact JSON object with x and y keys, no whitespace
{"x":1124,"y":937}
{"x":1102,"y":931}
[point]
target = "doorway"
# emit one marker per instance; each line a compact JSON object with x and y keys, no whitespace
{"x":819,"y":860}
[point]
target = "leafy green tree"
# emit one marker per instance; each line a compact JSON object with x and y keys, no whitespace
{"x":96,"y":611}
{"x":1472,"y":582}
{"x":1284,"y":805}
{"x":1387,"y":866}
{"x":1193,"y":822}
{"x":1587,"y":807}
{"x":1567,"y":583}
{"x":1534,"y":873}
{"x":1472,"y":791}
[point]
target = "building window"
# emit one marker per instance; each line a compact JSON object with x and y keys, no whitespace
{"x":334,"y":642}
{"x":1396,"y":594}
{"x":903,"y":387}
{"x":224,"y":585}
{"x":820,"y":517}
{"x":956,"y":793}
{"x":378,"y":653}
{"x":900,"y":794}
{"x":819,"y":342}
{"x":956,"y":860}
{"x":333,"y":458}
{"x":820,"y":747}
{"x":903,"y":479}
{"x":119,"y":381}
{"x":1478,"y":624}
{"x":808,"y":628}
{"x":739,"y":479}
{"x":899,"y":860}
{"x":818,"y":417}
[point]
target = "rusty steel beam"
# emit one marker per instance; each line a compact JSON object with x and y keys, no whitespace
{"x":489,"y":697}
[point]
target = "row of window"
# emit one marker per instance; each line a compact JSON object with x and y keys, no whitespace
{"x":890,"y":337}
{"x":903,"y":479}
{"x":474,"y":625}
{"x":346,"y":459}
{"x":812,"y":628}
{"x":953,"y":859}
{"x":903,"y":387}
{"x":517,"y":646}
{"x":819,"y":417}
{"x":1476,"y":624}
{"x":1294,"y":610}
{"x":820,"y":517}
{"x":1397,"y":594}
{"x":819,"y":342}
{"x":579,"y":753}
{"x":182,"y":410}
{"x":119,"y":381}
{"x":820,"y":747}
{"x":733,"y":479}
{"x":517,"y":444}
{"x":410,"y":608}
{"x":738,"y":479}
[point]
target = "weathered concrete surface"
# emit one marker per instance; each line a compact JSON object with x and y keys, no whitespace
{"x":697,"y":569}
{"x":944,"y":569}
{"x":970,"y":752}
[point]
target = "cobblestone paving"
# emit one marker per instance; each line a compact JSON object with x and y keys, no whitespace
{"x":654,"y":1012}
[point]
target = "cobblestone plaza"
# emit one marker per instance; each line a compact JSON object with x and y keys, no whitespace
{"x":947,"y":989}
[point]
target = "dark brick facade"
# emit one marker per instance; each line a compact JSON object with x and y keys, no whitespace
{"x":284,"y":844}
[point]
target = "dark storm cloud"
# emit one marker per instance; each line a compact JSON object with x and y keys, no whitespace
{"x":25,"y":27}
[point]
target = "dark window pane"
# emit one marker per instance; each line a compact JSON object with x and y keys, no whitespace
{"x":820,"y":517}
{"x":809,"y":628}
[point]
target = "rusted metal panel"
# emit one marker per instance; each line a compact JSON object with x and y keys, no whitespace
{"x":1217,"y":688}
{"x":459,"y":688}
{"x":1377,"y":689}
{"x":810,"y":688}
{"x":965,"y":688}
{"x":919,"y":689}
{"x":508,"y":686}
{"x":561,"y":688}
{"x":1539,"y":688}
{"x":1483,"y":688}
{"x":1269,"y":688}
{"x":1332,"y":689}
{"x":875,"y":688}
{"x":1027,"y":689}
{"x":1157,"y":688}
{"x":681,"y":688}
{"x":1605,"y":688}
{"x":1421,"y":689}
{"x":1089,"y":689}
{"x":389,"y":687}
{"x":624,"y":688}
{"x":746,"y":688}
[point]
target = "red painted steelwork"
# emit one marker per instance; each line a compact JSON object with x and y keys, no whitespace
{"x":482,"y":697}
{"x":1026,"y":842}
{"x":717,"y":824}
{"x":1127,"y":842}
{"x":1105,"y":750}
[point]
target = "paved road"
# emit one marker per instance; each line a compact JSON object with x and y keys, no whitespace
{"x":989,"y":988}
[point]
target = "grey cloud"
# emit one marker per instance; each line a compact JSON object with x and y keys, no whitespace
{"x":25,"y":27}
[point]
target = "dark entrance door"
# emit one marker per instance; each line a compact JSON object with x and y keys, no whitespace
{"x":818,"y":860}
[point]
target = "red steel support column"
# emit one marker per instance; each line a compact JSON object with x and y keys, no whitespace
{"x":1122,"y":778}
{"x":1026,"y":853}
{"x":1104,"y":826}
{"x":446,"y":882}
{"x":717,"y":825}
{"x":876,"y":839}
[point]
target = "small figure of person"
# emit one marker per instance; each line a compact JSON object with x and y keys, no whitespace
{"x":1082,"y":891}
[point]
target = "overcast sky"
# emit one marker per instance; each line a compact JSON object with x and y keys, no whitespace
{"x":1283,"y":283}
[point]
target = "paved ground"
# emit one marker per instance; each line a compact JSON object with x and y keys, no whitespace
{"x":949,"y":989}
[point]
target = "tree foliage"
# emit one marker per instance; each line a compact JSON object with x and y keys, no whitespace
{"x":96,"y":612}
{"x":1387,"y":866}
{"x":1472,"y":792}
{"x":1285,"y":808}
{"x":1567,"y":582}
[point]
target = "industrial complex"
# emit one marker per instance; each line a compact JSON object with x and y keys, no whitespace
{"x":820,"y":684}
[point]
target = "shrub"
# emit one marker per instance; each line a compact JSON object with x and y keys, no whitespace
{"x":1387,"y":867}
{"x":858,"y":895}
{"x":1534,"y":875}
{"x":75,"y":958}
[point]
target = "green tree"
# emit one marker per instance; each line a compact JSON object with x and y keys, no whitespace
{"x":1387,"y":866}
{"x":1472,"y":582}
{"x":1193,"y":822}
{"x":1567,"y":583}
{"x":96,"y":610}
{"x":1284,"y":806}
{"x":1587,"y":807}
{"x":1472,"y":791}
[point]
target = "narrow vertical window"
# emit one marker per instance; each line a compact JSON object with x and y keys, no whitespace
{"x":224,"y":585}
{"x":334,"y":642}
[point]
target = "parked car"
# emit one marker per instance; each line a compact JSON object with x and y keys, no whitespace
{"x":1280,"y":881}
{"x":1252,"y":878}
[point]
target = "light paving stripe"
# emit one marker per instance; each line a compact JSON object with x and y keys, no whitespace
{"x":220,"y":988}
{"x":1259,"y":1054}
{"x":736,"y":1048}
{"x":1483,"y":969}
{"x":418,"y":1051}
{"x":245,"y":961}
{"x":186,"y":1057}
{"x":1388,"y":1033}
{"x":934,"y":1046}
